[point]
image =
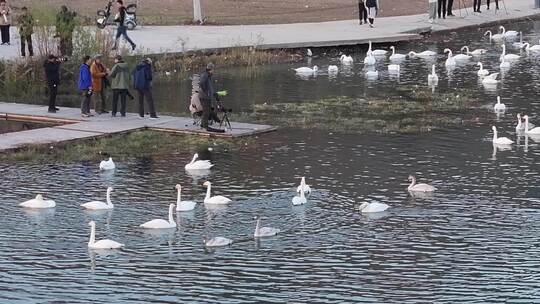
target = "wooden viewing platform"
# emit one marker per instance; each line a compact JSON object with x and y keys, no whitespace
{"x":71,"y":126}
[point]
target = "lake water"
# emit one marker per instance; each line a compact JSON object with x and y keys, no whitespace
{"x":475,"y":240}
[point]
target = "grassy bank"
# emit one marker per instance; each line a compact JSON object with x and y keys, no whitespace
{"x":122,"y":146}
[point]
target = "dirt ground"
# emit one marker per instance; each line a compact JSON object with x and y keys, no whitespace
{"x":169,"y":12}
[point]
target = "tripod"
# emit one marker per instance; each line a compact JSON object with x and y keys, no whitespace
{"x":504,"y":4}
{"x":225,"y":121}
{"x":462,"y":3}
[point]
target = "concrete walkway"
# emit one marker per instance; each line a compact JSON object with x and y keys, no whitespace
{"x":72,"y":126}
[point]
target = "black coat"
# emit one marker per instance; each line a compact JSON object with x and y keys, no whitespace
{"x":206,"y":87}
{"x":371,"y":3}
{"x":52,"y":72}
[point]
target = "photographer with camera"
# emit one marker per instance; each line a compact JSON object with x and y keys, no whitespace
{"x":52,"y":77}
{"x":85,"y":85}
{"x":206,"y":93}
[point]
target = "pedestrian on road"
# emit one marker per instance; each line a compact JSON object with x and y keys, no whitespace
{"x":26,"y":29}
{"x":99,"y":77}
{"x":142,"y":80}
{"x":52,"y":77}
{"x":449,"y":10}
{"x":122,"y":28}
{"x":432,"y":10}
{"x":476,"y":5}
{"x":65,"y":25}
{"x":362,"y":12}
{"x":496,"y":4}
{"x":119,"y":84}
{"x":85,"y":85}
{"x":442,"y":9}
{"x":5,"y":21}
{"x":372,"y":9}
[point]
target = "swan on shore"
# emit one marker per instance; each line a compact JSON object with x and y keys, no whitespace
{"x":107,"y":164}
{"x":183,"y":205}
{"x":414,"y":187}
{"x":196,"y":164}
{"x":366,"y":207}
{"x":214,"y":200}
{"x":161,"y":223}
{"x":38,"y":203}
{"x":101,"y":244}
{"x":264,"y":231}
{"x":500,"y":140}
{"x":98,"y":205}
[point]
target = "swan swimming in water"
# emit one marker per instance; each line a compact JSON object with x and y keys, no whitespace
{"x":98,"y":205}
{"x":423,"y":54}
{"x":496,"y":37}
{"x":101,"y":244}
{"x":306,"y":70}
{"x":500,"y":140}
{"x":508,"y":57}
{"x":520,"y":127}
{"x":490,"y":79}
{"x":183,"y":205}
{"x":508,"y":34}
{"x":433,"y":79}
{"x":396,"y":56}
{"x":450,"y":62}
{"x":333,"y":69}
{"x":299,"y":199}
{"x":198,"y":164}
{"x":366,"y":207}
{"x":534,"y":48}
{"x":534,"y":131}
{"x":372,"y":74}
{"x":369,"y":60}
{"x":499,"y":106}
{"x":475,"y":52}
{"x":303,"y":187}
{"x":160,"y":223}
{"x":376,"y":52}
{"x":217,"y":241}
{"x":309,"y":53}
{"x":504,"y":64}
{"x":346,"y":59}
{"x":38,"y":203}
{"x":414,"y":187}
{"x":264,"y":231}
{"x":481,"y":72}
{"x":394,"y":68}
{"x":107,"y":164}
{"x":520,"y":44}
{"x":214,"y":200}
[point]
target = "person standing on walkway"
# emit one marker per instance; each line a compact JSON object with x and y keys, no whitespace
{"x":442,"y":9}
{"x":85,"y":85}
{"x":372,"y":9}
{"x":122,"y":28}
{"x":5,"y":21}
{"x":142,"y":80}
{"x":432,"y":10}
{"x":52,"y":77}
{"x":449,"y":10}
{"x":496,"y":4}
{"x":206,"y":94}
{"x":476,"y":6}
{"x":362,"y":12}
{"x":119,"y":84}
{"x":65,"y":25}
{"x":99,"y":76}
{"x":26,"y":29}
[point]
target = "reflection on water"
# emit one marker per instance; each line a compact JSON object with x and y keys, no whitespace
{"x":474,"y":240}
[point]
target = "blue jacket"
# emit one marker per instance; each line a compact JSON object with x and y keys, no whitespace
{"x":142,"y":76}
{"x":85,"y":78}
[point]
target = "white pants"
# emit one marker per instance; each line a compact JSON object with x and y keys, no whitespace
{"x":371,"y":12}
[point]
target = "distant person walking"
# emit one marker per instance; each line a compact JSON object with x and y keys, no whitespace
{"x":476,"y":5}
{"x":441,"y":9}
{"x":26,"y":29}
{"x":119,"y":84}
{"x":142,"y":81}
{"x":99,"y":78}
{"x":122,"y":28}
{"x":362,"y":12}
{"x":496,"y":4}
{"x":85,"y":85}
{"x":449,"y":10}
{"x":5,"y":21}
{"x":432,"y":10}
{"x":52,"y":77}
{"x":372,"y":10}
{"x":65,"y":25}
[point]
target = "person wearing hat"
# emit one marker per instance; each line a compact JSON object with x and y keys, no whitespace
{"x":52,"y":78}
{"x":142,"y":82}
{"x":119,"y":84}
{"x":99,"y":74}
{"x":206,"y":93}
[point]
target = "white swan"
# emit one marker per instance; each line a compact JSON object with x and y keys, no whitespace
{"x":214,"y":200}
{"x":346,"y":59}
{"x":394,"y":68}
{"x":38,"y":203}
{"x":481,"y":72}
{"x":107,"y":164}
{"x":309,"y":53}
{"x":504,"y":64}
{"x":450,"y":62}
{"x":366,"y":207}
{"x":534,"y":131}
{"x":500,"y":140}
{"x":396,"y":56}
{"x":423,"y":54}
{"x":499,"y":106}
{"x":369,"y":60}
{"x":183,"y":205}
{"x":299,"y":199}
{"x":508,"y":34}
{"x":101,"y":244}
{"x":376,"y":52}
{"x":160,"y":223}
{"x":303,"y":187}
{"x":534,"y":48}
{"x":460,"y":57}
{"x":475,"y":52}
{"x":306,"y":70}
{"x":333,"y":69}
{"x":264,"y":231}
{"x":414,"y":187}
{"x":98,"y":205}
{"x":217,"y":241}
{"x":432,"y":78}
{"x":490,"y":79}
{"x":198,"y":164}
{"x":508,"y":57}
{"x":372,"y":74}
{"x":520,"y":127}
{"x":496,"y":37}
{"x":520,"y":44}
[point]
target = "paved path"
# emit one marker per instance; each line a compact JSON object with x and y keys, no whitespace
{"x":72,"y":126}
{"x":174,"y":39}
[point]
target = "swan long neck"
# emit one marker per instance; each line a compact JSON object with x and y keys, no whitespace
{"x":526,"y":124}
{"x":178,"y":197}
{"x":208,"y":191}
{"x":92,"y":234}
{"x":109,"y":202}
{"x":481,"y":66}
{"x":503,"y":30}
{"x":433,"y":70}
{"x":393,"y":50}
{"x":302,"y":194}
{"x":257,"y":226}
{"x":171,"y":219}
{"x":413,"y":182}
{"x":498,"y":100}
{"x":504,"y":50}
{"x":193,"y":159}
{"x":495,"y":135}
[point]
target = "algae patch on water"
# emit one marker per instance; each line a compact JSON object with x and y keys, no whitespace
{"x":412,"y":110}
